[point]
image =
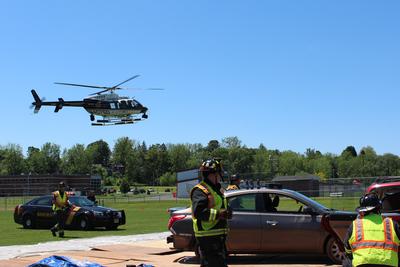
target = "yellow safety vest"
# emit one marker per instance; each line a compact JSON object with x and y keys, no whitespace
{"x":59,"y":201}
{"x":207,"y":228}
{"x":374,"y":241}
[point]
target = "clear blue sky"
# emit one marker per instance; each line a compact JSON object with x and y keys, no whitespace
{"x":289,"y":74}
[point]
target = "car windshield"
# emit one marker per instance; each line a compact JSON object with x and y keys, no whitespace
{"x":81,"y":201}
{"x":308,"y":200}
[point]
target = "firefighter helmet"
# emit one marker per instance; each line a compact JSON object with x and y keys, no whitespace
{"x":370,"y":202}
{"x":211,"y":166}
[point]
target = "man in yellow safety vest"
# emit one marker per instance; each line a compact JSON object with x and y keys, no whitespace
{"x":60,"y":208}
{"x":210,"y":212}
{"x":234,"y":183}
{"x":371,"y":239}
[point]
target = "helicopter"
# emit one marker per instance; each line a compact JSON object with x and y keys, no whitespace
{"x":114,"y":109}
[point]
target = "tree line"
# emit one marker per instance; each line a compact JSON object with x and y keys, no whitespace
{"x":136,"y":163}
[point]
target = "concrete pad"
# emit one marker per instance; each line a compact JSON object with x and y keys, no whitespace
{"x":159,"y":253}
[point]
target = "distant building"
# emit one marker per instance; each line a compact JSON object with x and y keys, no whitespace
{"x":36,"y":185}
{"x":186,"y":180}
{"x":306,"y":184}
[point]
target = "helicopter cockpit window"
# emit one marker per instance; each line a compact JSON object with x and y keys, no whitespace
{"x":130,"y":103}
{"x":123,"y":104}
{"x":136,"y":103}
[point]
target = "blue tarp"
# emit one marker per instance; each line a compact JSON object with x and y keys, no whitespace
{"x":62,"y":261}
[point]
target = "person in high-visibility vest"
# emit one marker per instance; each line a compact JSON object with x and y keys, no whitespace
{"x":210,"y":213}
{"x":60,"y":208}
{"x":234,"y":183}
{"x":371,"y":239}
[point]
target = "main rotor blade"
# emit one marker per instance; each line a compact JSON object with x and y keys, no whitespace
{"x":115,"y":87}
{"x":97,"y":93}
{"x":83,"y":85}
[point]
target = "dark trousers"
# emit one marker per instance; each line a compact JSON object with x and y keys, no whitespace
{"x":61,"y":216}
{"x":213,"y":251}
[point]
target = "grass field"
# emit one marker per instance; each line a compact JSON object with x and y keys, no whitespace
{"x":147,"y":217}
{"x":141,"y":217}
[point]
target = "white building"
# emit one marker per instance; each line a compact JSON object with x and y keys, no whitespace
{"x":186,"y":180}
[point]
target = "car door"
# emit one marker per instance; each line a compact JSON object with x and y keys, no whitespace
{"x":286,"y":228}
{"x":44,"y":212}
{"x":245,"y":226}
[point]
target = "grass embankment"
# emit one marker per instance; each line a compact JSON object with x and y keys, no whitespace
{"x":141,"y":218}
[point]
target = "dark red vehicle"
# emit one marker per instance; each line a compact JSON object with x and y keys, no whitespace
{"x":388,"y":189}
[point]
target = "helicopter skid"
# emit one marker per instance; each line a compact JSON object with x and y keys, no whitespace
{"x":108,"y":122}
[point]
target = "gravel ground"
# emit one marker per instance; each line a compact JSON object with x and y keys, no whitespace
{"x":9,"y":252}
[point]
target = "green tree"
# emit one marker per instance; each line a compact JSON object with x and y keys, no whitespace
{"x":99,"y":152}
{"x":350,"y":150}
{"x":168,"y":179}
{"x":179,"y":155}
{"x":124,"y":186}
{"x":290,"y":163}
{"x":157,"y":162}
{"x":76,"y":161}
{"x":12,"y":160}
{"x":35,"y":161}
{"x":51,"y":153}
{"x":231,"y":142}
{"x":122,"y":151}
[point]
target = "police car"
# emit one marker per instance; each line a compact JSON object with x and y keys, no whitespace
{"x":83,"y":215}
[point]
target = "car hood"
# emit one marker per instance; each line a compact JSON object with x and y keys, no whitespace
{"x":98,"y":208}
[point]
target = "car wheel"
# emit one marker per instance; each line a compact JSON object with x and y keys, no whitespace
{"x":333,"y":252}
{"x":84,"y":223}
{"x":28,"y":222}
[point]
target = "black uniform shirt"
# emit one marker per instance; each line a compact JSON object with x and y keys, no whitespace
{"x":200,"y":203}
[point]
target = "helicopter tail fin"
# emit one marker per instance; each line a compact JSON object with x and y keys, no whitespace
{"x":38,"y":101}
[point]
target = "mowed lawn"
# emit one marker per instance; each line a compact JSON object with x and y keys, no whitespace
{"x":141,"y":218}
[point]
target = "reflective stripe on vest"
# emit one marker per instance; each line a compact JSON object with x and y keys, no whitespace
{"x":374,"y":241}
{"x":205,"y":228}
{"x":60,"y":201}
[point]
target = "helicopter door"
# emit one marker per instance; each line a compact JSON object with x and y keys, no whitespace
{"x":112,"y":105}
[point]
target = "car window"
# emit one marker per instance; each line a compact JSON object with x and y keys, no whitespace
{"x":282,"y":203}
{"x":81,"y":201}
{"x":243,"y":203}
{"x":44,"y":201}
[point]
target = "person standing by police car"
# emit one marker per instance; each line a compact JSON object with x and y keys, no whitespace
{"x":371,"y":239}
{"x":210,"y":212}
{"x":60,"y":208}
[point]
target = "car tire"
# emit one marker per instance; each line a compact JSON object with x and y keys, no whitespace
{"x":28,"y":222}
{"x":84,"y":223}
{"x":333,"y":252}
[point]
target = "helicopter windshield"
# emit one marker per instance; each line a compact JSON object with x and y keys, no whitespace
{"x":123,"y":104}
{"x":136,"y":103}
{"x":131,"y":103}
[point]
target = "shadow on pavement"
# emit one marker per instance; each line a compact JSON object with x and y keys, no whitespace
{"x":267,"y":259}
